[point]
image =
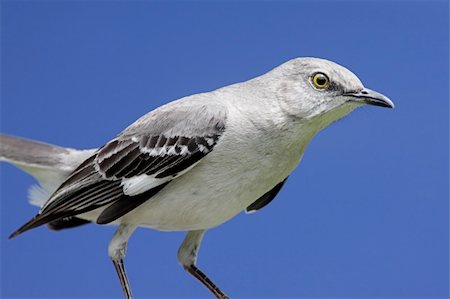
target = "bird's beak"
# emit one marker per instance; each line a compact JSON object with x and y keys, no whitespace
{"x":370,"y":97}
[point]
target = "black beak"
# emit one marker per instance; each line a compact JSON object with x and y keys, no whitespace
{"x":370,"y":97}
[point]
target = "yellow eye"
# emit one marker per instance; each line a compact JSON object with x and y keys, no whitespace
{"x":320,"y":80}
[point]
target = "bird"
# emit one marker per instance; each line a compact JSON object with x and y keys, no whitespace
{"x":193,"y":163}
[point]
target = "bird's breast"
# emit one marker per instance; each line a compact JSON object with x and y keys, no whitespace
{"x":242,"y":167}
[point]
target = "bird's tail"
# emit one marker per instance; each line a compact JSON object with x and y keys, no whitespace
{"x":49,"y":164}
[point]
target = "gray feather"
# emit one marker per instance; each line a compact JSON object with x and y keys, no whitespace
{"x":180,"y":118}
{"x":28,"y":152}
{"x":97,"y":181}
{"x":49,"y":164}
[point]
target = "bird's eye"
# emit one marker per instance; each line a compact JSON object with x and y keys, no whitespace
{"x":320,"y":80}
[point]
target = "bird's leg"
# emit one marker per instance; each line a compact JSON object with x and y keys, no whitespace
{"x":117,"y":249}
{"x":187,"y":256}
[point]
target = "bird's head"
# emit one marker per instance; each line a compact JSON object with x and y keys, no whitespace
{"x":322,"y":91}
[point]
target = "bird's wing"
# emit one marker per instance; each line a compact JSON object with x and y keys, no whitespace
{"x":265,"y":199}
{"x":138,"y":163}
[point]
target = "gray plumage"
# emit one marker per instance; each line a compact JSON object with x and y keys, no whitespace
{"x":157,"y":148}
{"x":27,"y":152}
{"x":194,"y":163}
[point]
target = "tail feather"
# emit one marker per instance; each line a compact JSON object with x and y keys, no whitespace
{"x":31,"y":154}
{"x":49,"y":164}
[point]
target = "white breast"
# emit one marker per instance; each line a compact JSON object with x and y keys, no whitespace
{"x":242,"y":167}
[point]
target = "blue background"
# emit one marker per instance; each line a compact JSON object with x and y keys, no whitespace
{"x":365,"y":215}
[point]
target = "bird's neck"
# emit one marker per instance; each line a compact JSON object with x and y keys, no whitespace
{"x":325,"y":119}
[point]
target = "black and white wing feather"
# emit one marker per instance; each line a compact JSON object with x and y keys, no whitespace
{"x":137,"y":164}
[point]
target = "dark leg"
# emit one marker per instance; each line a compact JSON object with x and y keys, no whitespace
{"x":187,"y":255}
{"x":120,"y":268}
{"x":206,"y":281}
{"x":117,"y":251}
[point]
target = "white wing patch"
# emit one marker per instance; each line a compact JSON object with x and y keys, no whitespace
{"x":142,"y":183}
{"x":139,"y":184}
{"x":167,"y":150}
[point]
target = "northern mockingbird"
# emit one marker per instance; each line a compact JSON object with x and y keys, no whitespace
{"x":194,"y":163}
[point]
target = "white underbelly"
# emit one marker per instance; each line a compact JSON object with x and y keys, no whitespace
{"x":219,"y":187}
{"x":208,"y":196}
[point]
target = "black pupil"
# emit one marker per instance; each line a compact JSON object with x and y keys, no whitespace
{"x":321,"y":80}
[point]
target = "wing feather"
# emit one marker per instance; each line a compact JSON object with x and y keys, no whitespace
{"x":137,"y":164}
{"x":265,"y":199}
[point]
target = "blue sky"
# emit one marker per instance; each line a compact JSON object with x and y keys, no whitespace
{"x":365,"y":215}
